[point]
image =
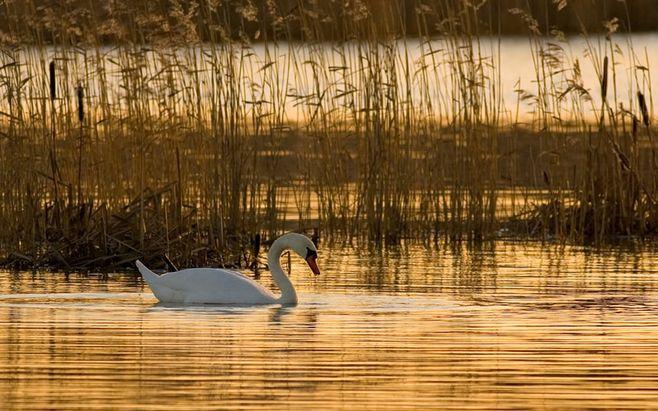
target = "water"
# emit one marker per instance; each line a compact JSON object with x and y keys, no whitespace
{"x":281,"y":78}
{"x":510,"y":326}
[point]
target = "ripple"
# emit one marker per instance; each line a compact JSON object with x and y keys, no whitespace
{"x":520,"y":328}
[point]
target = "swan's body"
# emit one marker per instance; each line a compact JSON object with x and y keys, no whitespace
{"x":206,"y":285}
{"x":218,"y":286}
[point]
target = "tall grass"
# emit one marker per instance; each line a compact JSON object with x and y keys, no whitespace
{"x":187,"y":128}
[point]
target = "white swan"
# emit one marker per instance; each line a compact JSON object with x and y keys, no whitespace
{"x":217,"y":286}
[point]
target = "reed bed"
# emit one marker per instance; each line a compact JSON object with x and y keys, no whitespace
{"x":191,"y":128}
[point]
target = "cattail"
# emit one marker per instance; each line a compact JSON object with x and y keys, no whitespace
{"x":53,"y":88}
{"x":256,"y":251}
{"x":81,"y":107}
{"x":643,"y":108}
{"x":604,"y":79}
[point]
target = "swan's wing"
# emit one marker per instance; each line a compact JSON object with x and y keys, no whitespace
{"x":214,"y":285}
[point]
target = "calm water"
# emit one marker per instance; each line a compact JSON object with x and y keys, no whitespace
{"x":287,"y":69}
{"x":511,"y":326}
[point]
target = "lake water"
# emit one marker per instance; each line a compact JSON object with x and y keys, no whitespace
{"x":282,"y":80}
{"x":505,"y":326}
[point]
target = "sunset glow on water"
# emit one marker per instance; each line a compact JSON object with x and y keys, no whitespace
{"x":513,"y":326}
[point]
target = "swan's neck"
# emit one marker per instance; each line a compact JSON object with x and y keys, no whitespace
{"x":288,"y":294}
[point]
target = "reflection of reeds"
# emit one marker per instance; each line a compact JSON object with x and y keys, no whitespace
{"x":374,"y":142}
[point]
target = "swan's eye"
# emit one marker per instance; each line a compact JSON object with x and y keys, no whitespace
{"x":310,"y":253}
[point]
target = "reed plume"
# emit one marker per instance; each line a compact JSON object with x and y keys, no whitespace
{"x":202,"y":125}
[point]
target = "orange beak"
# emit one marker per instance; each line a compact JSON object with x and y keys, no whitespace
{"x":311,"y":261}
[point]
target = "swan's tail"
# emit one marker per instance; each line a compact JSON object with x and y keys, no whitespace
{"x":149,"y":276}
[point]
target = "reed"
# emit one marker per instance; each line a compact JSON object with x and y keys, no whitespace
{"x":190,"y":129}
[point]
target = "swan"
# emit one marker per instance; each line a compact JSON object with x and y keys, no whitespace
{"x":219,"y":286}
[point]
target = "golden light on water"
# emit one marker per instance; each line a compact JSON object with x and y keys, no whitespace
{"x":443,"y":154}
{"x":522,"y":327}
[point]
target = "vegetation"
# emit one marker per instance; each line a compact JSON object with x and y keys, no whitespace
{"x":143,"y":129}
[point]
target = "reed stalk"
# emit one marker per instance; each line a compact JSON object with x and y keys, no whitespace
{"x":203,"y":124}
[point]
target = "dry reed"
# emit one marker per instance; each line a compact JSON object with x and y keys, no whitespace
{"x":201,"y":122}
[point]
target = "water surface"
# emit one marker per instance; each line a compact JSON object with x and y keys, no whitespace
{"x":508,"y":326}
{"x":281,"y":80}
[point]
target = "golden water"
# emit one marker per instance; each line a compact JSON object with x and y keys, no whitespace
{"x":268,"y":86}
{"x":513,"y":326}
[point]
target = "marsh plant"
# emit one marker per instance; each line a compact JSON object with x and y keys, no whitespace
{"x":185,"y":128}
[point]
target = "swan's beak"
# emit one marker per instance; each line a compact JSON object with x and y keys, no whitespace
{"x":310,"y":260}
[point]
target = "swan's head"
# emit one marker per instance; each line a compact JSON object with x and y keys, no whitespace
{"x":303,"y":246}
